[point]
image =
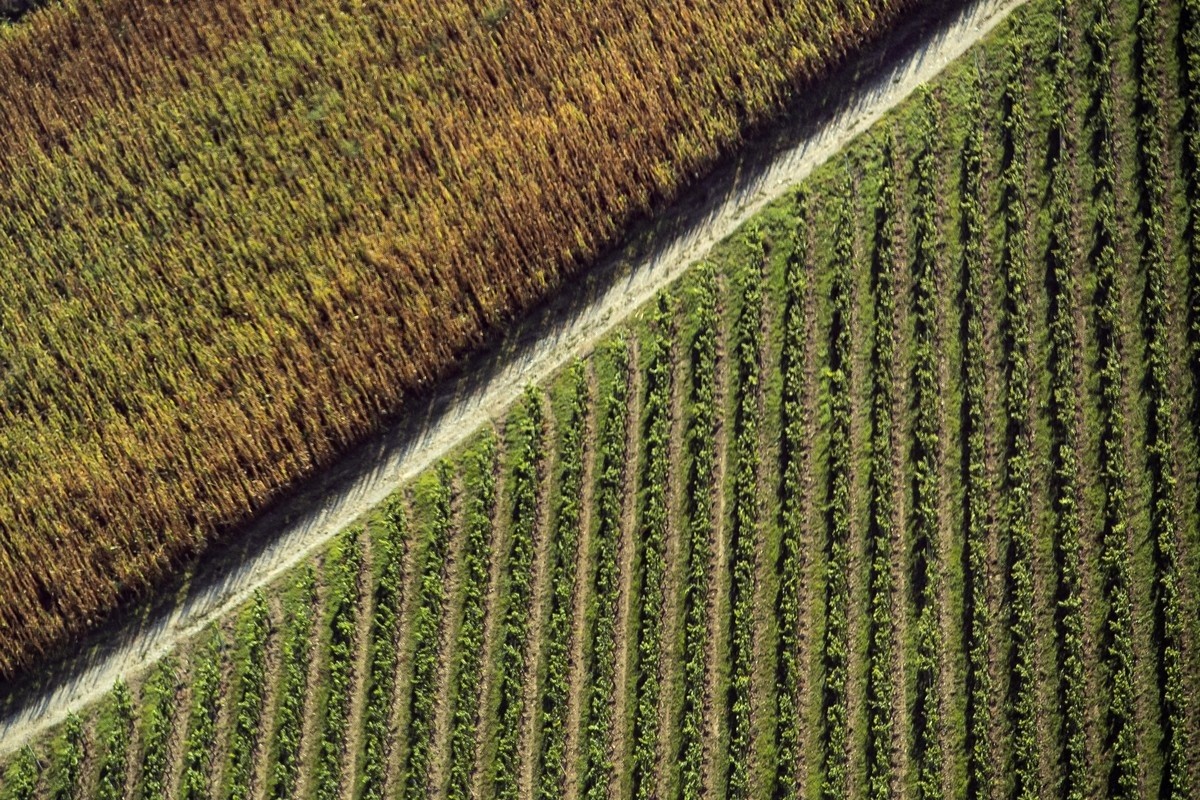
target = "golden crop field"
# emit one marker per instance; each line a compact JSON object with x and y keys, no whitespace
{"x":237,"y":234}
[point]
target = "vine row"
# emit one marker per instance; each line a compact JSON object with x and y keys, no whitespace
{"x":656,"y":469}
{"x":744,"y":531}
{"x":477,"y":555}
{"x":598,"y":770}
{"x":515,"y":626}
{"x":389,"y":550}
{"x":839,"y":510}
{"x":702,"y":450}
{"x":882,"y":486}
{"x":293,"y":684}
{"x":426,"y":627}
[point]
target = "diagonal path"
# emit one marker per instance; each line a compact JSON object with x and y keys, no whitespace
{"x":821,"y":124}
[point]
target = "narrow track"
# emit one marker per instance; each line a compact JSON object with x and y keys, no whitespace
{"x":570,"y":325}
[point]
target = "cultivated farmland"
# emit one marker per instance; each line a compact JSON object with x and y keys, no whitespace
{"x":237,"y":235}
{"x":895,"y":495}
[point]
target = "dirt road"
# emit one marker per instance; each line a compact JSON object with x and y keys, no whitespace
{"x":569,"y":326}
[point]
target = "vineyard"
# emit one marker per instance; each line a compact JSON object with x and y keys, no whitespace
{"x":241,"y":236}
{"x":895,"y":495}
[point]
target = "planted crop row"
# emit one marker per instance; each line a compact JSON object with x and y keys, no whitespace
{"x":980,"y":769}
{"x":1189,"y":67}
{"x":202,"y":723}
{"x":567,"y":517}
{"x":792,"y":447}
{"x":68,"y":784}
{"x":426,"y":628}
{"x":293,"y":684}
{"x":655,"y":470}
{"x":251,"y":695}
{"x":381,"y":669}
{"x":20,"y":780}
{"x":597,"y":736}
{"x":514,"y":641}
{"x":1151,"y":143}
{"x":477,"y":555}
{"x":1121,"y":725}
{"x":926,"y":483}
{"x":343,"y":586}
{"x":1017,"y":509}
{"x":1064,"y":408}
{"x":1189,"y":22}
{"x":115,"y":746}
{"x":881,"y":687}
{"x":159,"y":701}
{"x":839,"y":511}
{"x":702,"y":451}
{"x":744,"y":532}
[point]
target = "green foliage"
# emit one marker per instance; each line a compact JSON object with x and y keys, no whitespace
{"x":1017,"y":509}
{"x":1114,"y":556}
{"x":656,"y":468}
{"x":202,"y":724}
{"x":562,"y":586}
{"x":744,"y":531}
{"x":159,"y":701}
{"x":1064,"y":408}
{"x":980,"y":771}
{"x":115,"y":746}
{"x":469,"y":675}
{"x":70,"y":760}
{"x":701,"y":444}
{"x":251,"y":694}
{"x":1189,"y":21}
{"x":597,"y":734}
{"x":293,"y":684}
{"x":20,"y":780}
{"x":514,"y":645}
{"x":426,"y":628}
{"x":381,"y":669}
{"x":926,"y":483}
{"x":344,"y":580}
{"x":1151,"y":144}
{"x":839,"y":510}
{"x":792,"y":446}
{"x":882,"y":487}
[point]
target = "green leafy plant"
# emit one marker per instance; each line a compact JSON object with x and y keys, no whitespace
{"x":469,"y":676}
{"x":426,"y":628}
{"x":345,"y":577}
{"x":745,"y":523}
{"x":653,"y":531}
{"x":251,"y":694}
{"x":980,"y":767}
{"x":202,"y":723}
{"x":926,"y":480}
{"x":293,"y":684}
{"x":567,"y":520}
{"x":68,"y":784}
{"x":159,"y":698}
{"x":597,"y":735}
{"x":1114,"y":556}
{"x":839,"y":510}
{"x":882,"y":487}
{"x":393,"y":542}
{"x":514,"y":647}
{"x":701,"y":444}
